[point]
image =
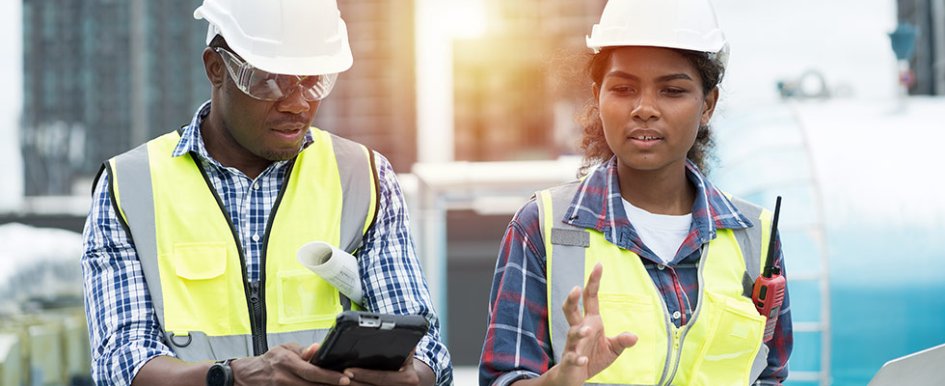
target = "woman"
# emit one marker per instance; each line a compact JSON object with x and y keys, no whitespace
{"x":674,"y":306}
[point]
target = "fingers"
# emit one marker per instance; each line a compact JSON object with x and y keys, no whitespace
{"x":315,"y":374}
{"x":591,"y":304}
{"x":572,"y":369}
{"x":408,"y":364}
{"x":622,"y":341}
{"x":292,"y":347}
{"x":283,"y":365}
{"x":309,"y":352}
{"x":404,"y":376}
{"x":570,"y":307}
{"x":290,"y":364}
{"x":574,"y":359}
{"x":579,"y":339}
{"x":575,"y":334}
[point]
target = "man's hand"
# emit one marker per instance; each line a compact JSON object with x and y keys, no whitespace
{"x":587,"y":350}
{"x":286,"y":364}
{"x":412,"y":373}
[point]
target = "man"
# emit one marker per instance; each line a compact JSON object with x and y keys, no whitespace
{"x":191,"y":240}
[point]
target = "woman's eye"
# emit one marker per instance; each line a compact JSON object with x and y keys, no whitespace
{"x":674,"y":91}
{"x":622,"y":89}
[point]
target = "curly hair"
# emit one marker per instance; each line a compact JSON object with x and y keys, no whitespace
{"x":593,"y":142}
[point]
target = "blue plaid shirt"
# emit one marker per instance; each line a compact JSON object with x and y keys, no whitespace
{"x":124,"y":330}
{"x":517,"y":343}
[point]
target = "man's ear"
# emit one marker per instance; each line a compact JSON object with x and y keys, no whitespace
{"x":214,"y":67}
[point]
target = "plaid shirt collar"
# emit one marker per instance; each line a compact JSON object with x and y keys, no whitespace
{"x":191,"y":140}
{"x":597,"y":205}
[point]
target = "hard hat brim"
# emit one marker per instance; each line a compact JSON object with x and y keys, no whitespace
{"x":317,"y":64}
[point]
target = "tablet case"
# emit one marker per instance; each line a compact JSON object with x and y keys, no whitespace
{"x":370,"y":340}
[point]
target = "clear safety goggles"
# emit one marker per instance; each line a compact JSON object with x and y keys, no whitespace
{"x":267,"y":86}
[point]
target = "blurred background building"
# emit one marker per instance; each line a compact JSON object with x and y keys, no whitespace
{"x":517,"y":86}
{"x":929,"y":61}
{"x":102,"y":76}
{"x":91,"y":70}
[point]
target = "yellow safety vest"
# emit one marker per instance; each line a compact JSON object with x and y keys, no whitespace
{"x":721,"y":345}
{"x":193,"y":261}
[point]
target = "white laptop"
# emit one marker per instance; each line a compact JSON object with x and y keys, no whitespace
{"x":923,"y":368}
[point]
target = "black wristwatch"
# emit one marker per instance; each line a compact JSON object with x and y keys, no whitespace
{"x":220,"y":374}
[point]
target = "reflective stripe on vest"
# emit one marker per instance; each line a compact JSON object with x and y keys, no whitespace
{"x":193,"y":262}
{"x":720,"y":345}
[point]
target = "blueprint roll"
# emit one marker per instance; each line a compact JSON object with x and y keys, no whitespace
{"x":334,"y":266}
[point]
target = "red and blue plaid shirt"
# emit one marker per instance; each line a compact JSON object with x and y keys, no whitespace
{"x":517,"y":343}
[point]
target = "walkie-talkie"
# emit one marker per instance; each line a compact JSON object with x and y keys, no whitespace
{"x":768,"y":291}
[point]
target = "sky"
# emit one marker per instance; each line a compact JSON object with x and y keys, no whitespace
{"x":843,"y":39}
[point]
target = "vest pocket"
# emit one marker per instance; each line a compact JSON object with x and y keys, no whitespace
{"x":199,"y":261}
{"x":198,"y":299}
{"x":303,"y":297}
{"x":732,"y":340}
{"x":643,"y":363}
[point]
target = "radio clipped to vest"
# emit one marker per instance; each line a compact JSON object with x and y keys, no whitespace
{"x":768,"y":291}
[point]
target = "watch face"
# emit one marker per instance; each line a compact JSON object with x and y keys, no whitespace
{"x":216,"y":376}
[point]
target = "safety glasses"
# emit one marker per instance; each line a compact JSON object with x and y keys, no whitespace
{"x":266,"y":86}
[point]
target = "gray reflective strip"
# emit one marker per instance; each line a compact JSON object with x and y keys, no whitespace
{"x":759,"y":364}
{"x":567,"y":267}
{"x":197,"y":346}
{"x":137,"y":202}
{"x":570,"y":237}
{"x":355,"y":171}
{"x":301,"y":338}
{"x":749,"y":241}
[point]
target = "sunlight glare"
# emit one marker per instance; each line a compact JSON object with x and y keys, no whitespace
{"x":466,"y":19}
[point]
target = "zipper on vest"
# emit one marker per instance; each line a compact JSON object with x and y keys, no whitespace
{"x":255,"y":301}
{"x":256,"y":319}
{"x":257,"y":295}
{"x":679,"y":335}
{"x":673,"y":358}
{"x":670,"y":337}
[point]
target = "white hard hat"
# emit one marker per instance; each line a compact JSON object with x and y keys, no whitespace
{"x":682,"y":24}
{"x":297,"y":37}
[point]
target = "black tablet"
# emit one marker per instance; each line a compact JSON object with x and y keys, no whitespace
{"x":370,"y":341}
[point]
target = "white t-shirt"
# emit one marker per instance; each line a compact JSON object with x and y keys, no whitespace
{"x":662,"y":233}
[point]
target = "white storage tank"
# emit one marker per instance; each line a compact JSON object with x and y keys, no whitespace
{"x":862,"y":223}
